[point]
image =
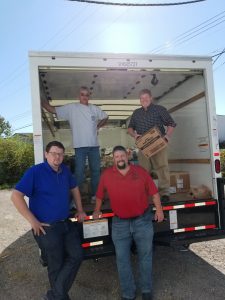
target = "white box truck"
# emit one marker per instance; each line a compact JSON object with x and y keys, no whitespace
{"x":182,"y":84}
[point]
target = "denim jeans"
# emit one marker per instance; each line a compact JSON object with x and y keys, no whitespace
{"x":92,"y":153}
{"x":124,"y":231}
{"x":62,"y":247}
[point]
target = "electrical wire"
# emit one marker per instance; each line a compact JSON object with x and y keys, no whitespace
{"x":78,"y":25}
{"x":106,"y":28}
{"x":190,"y":34}
{"x":138,"y":4}
{"x":25,"y":126}
{"x":12,"y":76}
{"x":20,"y":116}
{"x":218,"y":55}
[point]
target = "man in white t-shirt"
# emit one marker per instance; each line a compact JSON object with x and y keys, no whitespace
{"x":85,"y":119}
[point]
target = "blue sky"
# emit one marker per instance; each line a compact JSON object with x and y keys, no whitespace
{"x":60,"y":25}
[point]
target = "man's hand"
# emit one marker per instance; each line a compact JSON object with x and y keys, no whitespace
{"x":38,"y":227}
{"x":159,"y":215}
{"x":136,"y":136}
{"x":80,"y":215}
{"x":97,"y":214}
{"x":166,"y":138}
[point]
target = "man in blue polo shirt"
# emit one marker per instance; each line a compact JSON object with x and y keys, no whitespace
{"x":49,"y":186}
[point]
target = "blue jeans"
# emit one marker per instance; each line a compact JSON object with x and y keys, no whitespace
{"x":124,"y":231}
{"x":92,"y":153}
{"x":62,"y":247}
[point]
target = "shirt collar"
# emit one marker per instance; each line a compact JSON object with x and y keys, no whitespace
{"x":148,"y":108}
{"x":51,"y":169}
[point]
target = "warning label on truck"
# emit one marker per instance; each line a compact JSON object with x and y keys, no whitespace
{"x":95,"y":228}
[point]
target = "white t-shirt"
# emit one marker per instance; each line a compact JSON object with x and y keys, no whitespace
{"x":83,"y":120}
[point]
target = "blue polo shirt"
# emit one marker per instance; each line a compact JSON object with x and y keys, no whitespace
{"x":48,"y":191}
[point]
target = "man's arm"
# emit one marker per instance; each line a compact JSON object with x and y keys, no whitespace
{"x":77,"y":199}
{"x":102,"y":123}
{"x":169,"y":132}
{"x":133,"y":133}
{"x":21,"y":205}
{"x":159,"y":216}
{"x":47,"y":106}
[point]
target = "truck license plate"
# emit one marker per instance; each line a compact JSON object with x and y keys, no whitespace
{"x":95,"y":228}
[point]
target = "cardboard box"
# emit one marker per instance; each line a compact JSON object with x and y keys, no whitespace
{"x":179,"y":182}
{"x":151,"y":142}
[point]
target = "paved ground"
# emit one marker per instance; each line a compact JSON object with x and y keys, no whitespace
{"x":195,"y":274}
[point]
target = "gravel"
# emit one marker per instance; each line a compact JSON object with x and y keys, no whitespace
{"x":198,"y":273}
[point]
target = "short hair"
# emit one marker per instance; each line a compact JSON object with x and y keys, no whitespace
{"x":56,"y":144}
{"x":145,"y":91}
{"x":118,"y":148}
{"x":84,"y":88}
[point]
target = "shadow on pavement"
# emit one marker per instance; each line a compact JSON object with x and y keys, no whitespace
{"x":176,"y":276}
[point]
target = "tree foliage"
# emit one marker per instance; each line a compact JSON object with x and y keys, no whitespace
{"x":5,"y":128}
{"x":15,"y":157}
{"x":222,"y":161}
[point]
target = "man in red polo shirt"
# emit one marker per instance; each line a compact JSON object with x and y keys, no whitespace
{"x":129,"y":188}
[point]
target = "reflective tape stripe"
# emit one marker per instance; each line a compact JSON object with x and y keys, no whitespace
{"x":187,"y":229}
{"x":87,"y":245}
{"x":168,"y":207}
{"x":105,"y":215}
{"x":188,"y":205}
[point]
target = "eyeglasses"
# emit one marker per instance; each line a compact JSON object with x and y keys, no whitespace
{"x":54,"y":154}
{"x":84,"y":94}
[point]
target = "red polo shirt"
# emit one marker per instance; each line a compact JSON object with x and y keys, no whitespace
{"x":128,"y":194}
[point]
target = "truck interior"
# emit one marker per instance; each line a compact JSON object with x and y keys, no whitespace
{"x":116,"y":91}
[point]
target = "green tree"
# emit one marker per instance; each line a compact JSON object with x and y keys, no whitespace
{"x":222,"y":161}
{"x":5,"y":128}
{"x":15,"y":157}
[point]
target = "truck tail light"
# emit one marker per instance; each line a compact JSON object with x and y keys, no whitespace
{"x":217,"y":166}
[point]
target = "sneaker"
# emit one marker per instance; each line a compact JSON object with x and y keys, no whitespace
{"x":165,"y":198}
{"x":146,"y":296}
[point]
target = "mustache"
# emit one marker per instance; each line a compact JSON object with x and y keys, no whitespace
{"x":121,"y":161}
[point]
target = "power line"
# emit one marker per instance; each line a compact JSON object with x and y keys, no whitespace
{"x":20,"y":116}
{"x":106,"y":28}
{"x":218,"y":55}
{"x":138,"y":4}
{"x":190,"y":34}
{"x":14,"y":76}
{"x":218,"y":67}
{"x":25,"y":126}
{"x":78,"y":25}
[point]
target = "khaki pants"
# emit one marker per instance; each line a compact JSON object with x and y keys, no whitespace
{"x":159,"y":164}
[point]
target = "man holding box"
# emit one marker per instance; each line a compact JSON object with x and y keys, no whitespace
{"x":148,"y":116}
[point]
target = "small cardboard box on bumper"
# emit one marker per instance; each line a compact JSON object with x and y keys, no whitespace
{"x":179,"y":182}
{"x":151,"y":142}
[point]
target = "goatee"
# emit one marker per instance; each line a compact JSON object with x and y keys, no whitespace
{"x":121,"y":167}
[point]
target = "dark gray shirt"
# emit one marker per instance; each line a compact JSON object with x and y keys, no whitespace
{"x":155,"y":115}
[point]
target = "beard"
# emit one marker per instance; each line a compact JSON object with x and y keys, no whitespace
{"x":121,"y":166}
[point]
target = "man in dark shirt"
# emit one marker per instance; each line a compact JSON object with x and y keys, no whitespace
{"x":144,"y":118}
